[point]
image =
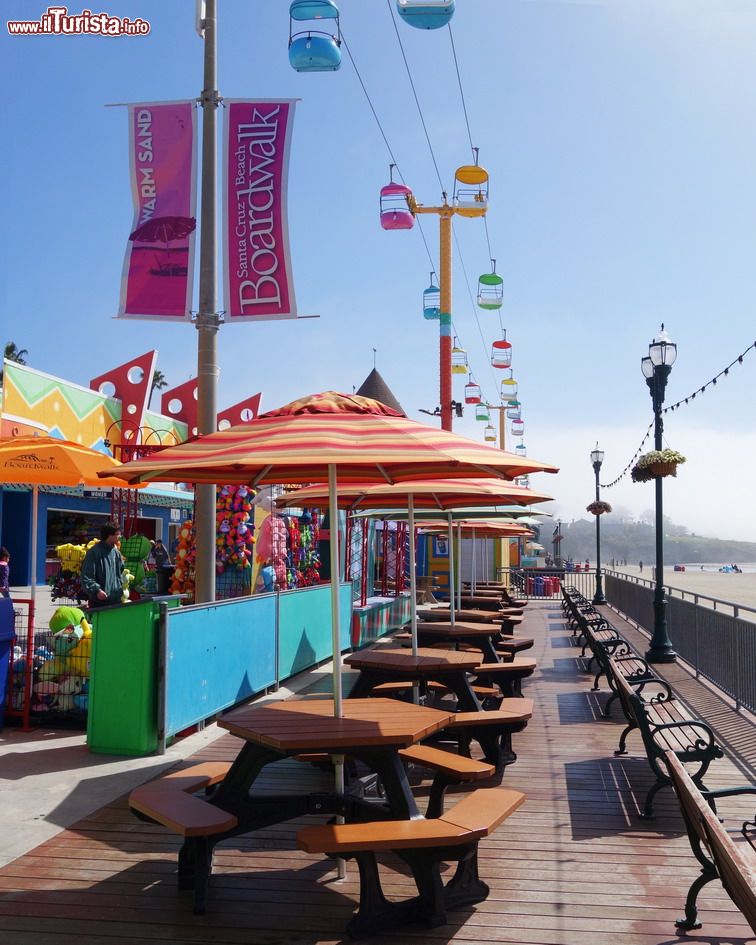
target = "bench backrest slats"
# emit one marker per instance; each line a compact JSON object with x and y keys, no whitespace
{"x":735,"y":868}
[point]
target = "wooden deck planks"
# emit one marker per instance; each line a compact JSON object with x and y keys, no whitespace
{"x":574,"y":866}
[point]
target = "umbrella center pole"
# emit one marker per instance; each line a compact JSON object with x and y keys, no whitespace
{"x":450,"y":545}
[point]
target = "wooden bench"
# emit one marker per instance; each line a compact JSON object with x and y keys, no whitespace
{"x":423,"y":845}
{"x":171,"y":801}
{"x":633,"y":668}
{"x":449,"y":768}
{"x":492,"y":730}
{"x":716,"y":851}
{"x":508,"y":676}
{"x":664,"y":725}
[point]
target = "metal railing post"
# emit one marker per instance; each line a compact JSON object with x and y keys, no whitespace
{"x":735,"y":612}
{"x":162,"y":632}
{"x":697,"y":637}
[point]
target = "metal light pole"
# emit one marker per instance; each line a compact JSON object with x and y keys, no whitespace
{"x":208,"y":320}
{"x":656,"y":367}
{"x":597,"y":458}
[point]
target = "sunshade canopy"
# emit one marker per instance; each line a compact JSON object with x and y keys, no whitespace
{"x":45,"y":460}
{"x":442,"y":495}
{"x":522,"y":515}
{"x":479,"y":529}
{"x":298,"y":442}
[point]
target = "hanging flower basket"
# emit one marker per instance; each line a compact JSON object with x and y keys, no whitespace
{"x":657,"y":464}
{"x":598,"y":508}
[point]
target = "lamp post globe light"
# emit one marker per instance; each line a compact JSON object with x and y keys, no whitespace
{"x":656,"y":366}
{"x":597,"y":458}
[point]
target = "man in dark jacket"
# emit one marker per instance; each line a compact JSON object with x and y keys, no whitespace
{"x":102,"y":568}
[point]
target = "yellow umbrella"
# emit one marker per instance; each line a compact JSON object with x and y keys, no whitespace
{"x":44,"y":460}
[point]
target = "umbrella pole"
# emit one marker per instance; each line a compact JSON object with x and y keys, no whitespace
{"x":35,"y":517}
{"x":338,"y":708}
{"x":474,"y":563}
{"x":450,"y":543}
{"x":412,"y":570}
{"x":459,"y":564}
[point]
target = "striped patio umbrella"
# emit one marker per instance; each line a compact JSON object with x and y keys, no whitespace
{"x":47,"y":461}
{"x":310,"y":439}
{"x":441,"y":495}
{"x":431,"y":494}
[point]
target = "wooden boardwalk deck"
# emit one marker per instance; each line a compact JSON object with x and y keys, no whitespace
{"x":575,"y":866}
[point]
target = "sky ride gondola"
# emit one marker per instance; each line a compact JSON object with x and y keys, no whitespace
{"x":458,"y":359}
{"x":518,"y":427}
{"x":520,"y":450}
{"x":426,"y":14}
{"x":395,"y":213}
{"x":514,"y":410}
{"x":313,"y":50}
{"x":501,"y":353}
{"x":489,"y":434}
{"x":491,"y":289}
{"x":482,"y":413}
{"x":509,"y":389}
{"x":432,"y":299}
{"x":472,"y":392}
{"x":471,"y":190}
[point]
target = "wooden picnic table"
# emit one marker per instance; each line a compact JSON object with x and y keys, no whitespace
{"x":389,"y":664}
{"x":480,"y":635}
{"x":468,"y":614}
{"x":371,"y":730}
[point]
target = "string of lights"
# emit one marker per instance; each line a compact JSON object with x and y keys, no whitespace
{"x":680,"y":403}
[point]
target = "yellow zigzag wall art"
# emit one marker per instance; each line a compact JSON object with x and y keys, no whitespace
{"x":75,"y":413}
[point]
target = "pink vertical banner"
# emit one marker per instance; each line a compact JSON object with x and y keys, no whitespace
{"x":257,"y":266}
{"x":158,"y":266}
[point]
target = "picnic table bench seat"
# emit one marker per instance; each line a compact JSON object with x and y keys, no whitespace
{"x":719,"y":856}
{"x":664,"y":724}
{"x":423,"y":844}
{"x":492,"y":730}
{"x":171,"y":801}
{"x":448,"y":768}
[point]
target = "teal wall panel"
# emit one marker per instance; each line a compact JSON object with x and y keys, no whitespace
{"x":217,"y":655}
{"x":305,"y":622}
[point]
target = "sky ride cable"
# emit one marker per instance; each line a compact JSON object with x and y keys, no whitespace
{"x":680,"y":403}
{"x":401,"y":177}
{"x":386,"y":142}
{"x":390,"y":5}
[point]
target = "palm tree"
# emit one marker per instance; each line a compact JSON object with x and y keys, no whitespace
{"x":12,"y":353}
{"x":158,"y":383}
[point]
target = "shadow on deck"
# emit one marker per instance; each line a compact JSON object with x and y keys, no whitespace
{"x":574,"y":866}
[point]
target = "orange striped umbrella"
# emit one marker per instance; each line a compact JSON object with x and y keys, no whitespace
{"x":312,"y":437}
{"x":480,"y":529}
{"x":298,"y":442}
{"x":443,"y":494}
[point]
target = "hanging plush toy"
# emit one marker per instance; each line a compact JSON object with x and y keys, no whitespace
{"x":183,"y":573}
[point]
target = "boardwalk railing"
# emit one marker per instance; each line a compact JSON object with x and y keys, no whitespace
{"x":524,"y":582}
{"x":716,"y":637}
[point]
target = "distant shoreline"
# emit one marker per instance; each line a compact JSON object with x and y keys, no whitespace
{"x":731,"y":587}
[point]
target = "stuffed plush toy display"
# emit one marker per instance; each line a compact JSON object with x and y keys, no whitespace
{"x":135,"y":551}
{"x":60,"y":672}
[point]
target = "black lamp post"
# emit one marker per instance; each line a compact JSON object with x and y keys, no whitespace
{"x":597,"y":458}
{"x":656,"y":367}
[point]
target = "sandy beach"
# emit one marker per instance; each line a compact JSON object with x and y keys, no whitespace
{"x":736,"y":588}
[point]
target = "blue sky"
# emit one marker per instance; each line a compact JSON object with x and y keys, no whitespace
{"x":619,"y":136}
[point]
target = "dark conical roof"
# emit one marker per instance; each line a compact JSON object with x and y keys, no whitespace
{"x":375,"y":387}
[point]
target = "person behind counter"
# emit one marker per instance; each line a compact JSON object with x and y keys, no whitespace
{"x":102,"y":569}
{"x":159,"y":555}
